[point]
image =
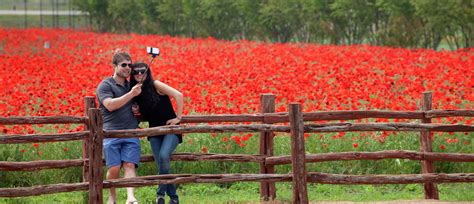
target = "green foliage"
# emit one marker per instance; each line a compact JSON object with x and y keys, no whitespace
{"x":404,"y":23}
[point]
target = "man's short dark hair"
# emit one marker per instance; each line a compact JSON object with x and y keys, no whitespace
{"x":120,"y":56}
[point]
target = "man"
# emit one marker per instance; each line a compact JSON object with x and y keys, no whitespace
{"x":115,"y":97}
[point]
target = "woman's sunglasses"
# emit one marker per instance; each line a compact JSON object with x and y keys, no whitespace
{"x":136,"y":71}
{"x":125,"y":65}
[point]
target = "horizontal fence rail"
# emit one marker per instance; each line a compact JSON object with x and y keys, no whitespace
{"x":327,"y":115}
{"x":326,"y":178}
{"x":43,"y":189}
{"x":413,"y":127}
{"x":40,"y":165}
{"x":15,"y":120}
{"x":17,"y":139}
{"x":390,"y":154}
{"x":210,"y":157}
{"x":178,"y":129}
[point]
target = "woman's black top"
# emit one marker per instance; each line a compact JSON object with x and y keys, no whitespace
{"x":160,"y":113}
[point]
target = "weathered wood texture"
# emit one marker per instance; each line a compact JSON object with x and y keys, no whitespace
{"x":16,"y":120}
{"x":298,"y":165}
{"x":389,"y":154}
{"x":222,"y":118}
{"x":175,"y":129}
{"x":95,"y":159}
{"x":327,"y":115}
{"x":210,"y":157}
{"x":267,"y":189}
{"x":42,"y":189}
{"x":39,"y":165}
{"x":89,"y":102}
{"x":413,"y":127}
{"x":389,"y":179}
{"x":193,"y":178}
{"x":29,"y":138}
{"x":431,"y":190}
{"x":449,"y":113}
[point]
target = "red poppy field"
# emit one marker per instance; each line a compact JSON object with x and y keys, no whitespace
{"x":228,"y":77}
{"x":222,"y":77}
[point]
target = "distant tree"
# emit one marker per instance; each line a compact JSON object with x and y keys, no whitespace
{"x":150,"y":22}
{"x":125,"y":15}
{"x":97,"y":10}
{"x":400,"y":23}
{"x":279,"y":20}
{"x":397,"y":24}
{"x":353,"y":19}
{"x":444,"y":19}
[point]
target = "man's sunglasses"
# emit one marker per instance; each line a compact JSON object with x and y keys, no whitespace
{"x":141,"y":71}
{"x":125,"y":65}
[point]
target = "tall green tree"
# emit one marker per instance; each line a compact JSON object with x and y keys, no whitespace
{"x":125,"y":16}
{"x":353,"y":19}
{"x":97,"y":10}
{"x":397,"y":24}
{"x":279,"y":19}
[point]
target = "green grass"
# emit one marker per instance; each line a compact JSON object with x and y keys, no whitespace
{"x":248,"y":192}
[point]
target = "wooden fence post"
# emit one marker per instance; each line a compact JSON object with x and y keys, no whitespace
{"x":95,"y":156}
{"x":89,"y":102}
{"x":300,"y":193}
{"x":267,"y":189}
{"x":431,"y":190}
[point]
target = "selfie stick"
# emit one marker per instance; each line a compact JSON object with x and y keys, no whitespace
{"x":153,"y":51}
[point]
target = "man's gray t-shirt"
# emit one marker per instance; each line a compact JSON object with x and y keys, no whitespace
{"x":121,"y":118}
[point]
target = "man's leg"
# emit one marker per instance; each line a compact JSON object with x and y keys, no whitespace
{"x":113,"y":173}
{"x":129,"y":172}
{"x":131,"y":158}
{"x":113,"y":162}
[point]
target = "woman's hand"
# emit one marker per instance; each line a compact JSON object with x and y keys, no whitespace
{"x":173,"y":121}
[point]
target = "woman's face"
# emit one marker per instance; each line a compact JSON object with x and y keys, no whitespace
{"x":139,"y":73}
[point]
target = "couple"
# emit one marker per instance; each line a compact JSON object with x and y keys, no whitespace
{"x":116,"y":96}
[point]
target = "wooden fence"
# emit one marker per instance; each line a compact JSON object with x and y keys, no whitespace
{"x":92,"y":161}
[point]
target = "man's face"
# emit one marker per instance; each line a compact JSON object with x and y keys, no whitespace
{"x":123,"y":68}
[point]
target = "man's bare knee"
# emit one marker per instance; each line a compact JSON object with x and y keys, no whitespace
{"x":113,"y":172}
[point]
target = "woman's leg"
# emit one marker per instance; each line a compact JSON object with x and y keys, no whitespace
{"x":168,"y":146}
{"x":155,"y":143}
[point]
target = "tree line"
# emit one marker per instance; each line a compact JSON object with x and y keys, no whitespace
{"x":398,"y":23}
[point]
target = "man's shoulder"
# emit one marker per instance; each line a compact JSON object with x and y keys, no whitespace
{"x":108,"y":81}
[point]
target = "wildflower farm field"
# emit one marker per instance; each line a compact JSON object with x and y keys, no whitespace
{"x":222,"y":77}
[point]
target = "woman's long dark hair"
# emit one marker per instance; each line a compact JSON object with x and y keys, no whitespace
{"x":148,"y":98}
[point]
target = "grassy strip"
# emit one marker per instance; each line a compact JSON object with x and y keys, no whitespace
{"x":248,"y":192}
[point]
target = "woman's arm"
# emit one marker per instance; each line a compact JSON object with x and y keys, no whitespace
{"x":163,"y":88}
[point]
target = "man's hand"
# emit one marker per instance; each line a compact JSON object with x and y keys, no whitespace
{"x":136,"y":90}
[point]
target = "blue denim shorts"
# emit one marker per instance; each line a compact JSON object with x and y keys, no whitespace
{"x":118,"y":150}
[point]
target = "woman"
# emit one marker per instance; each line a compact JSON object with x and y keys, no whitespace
{"x":156,"y":108}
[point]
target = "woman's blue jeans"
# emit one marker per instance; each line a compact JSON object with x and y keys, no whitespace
{"x":163,"y":147}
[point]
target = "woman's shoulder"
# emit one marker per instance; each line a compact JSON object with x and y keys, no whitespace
{"x":158,"y":85}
